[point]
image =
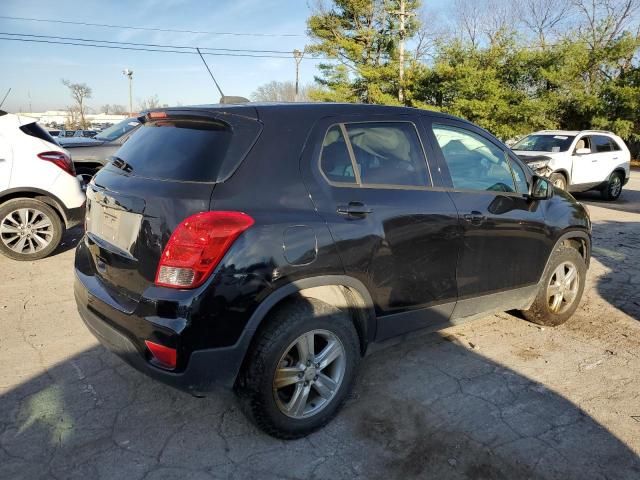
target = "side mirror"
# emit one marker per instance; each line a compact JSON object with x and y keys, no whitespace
{"x":541,"y":188}
{"x":583,"y":151}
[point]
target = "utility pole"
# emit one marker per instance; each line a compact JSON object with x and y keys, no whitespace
{"x":402,"y":14}
{"x":297,"y":56}
{"x":129,"y":73}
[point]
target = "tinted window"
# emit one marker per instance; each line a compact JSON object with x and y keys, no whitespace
{"x":188,"y":150}
{"x":544,"y":143}
{"x":474,"y":162}
{"x":35,"y":130}
{"x":388,"y":153}
{"x":601,"y":144}
{"x":335,"y":161}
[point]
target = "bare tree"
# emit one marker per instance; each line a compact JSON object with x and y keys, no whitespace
{"x":79,"y":92}
{"x":605,"y":20}
{"x":149,"y":103}
{"x":542,"y":17}
{"x":468,"y":16}
{"x":280,"y":92}
{"x":118,"y":109}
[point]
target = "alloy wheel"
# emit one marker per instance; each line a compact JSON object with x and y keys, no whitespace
{"x":563,"y":287}
{"x":26,"y":230}
{"x":309,"y":374}
{"x":615,"y":186}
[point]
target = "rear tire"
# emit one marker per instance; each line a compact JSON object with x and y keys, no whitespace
{"x":614,"y":187}
{"x":310,"y":387}
{"x":558,"y":180}
{"x":561,"y":288}
{"x":29,"y":229}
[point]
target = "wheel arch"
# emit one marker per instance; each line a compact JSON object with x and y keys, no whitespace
{"x":36,"y":194}
{"x":578,"y":239}
{"x":339,"y":290}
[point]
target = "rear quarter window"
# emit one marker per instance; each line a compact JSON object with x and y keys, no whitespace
{"x":35,"y":130}
{"x":193,"y":150}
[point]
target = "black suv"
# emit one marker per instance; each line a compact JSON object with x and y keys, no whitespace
{"x":266,"y":247}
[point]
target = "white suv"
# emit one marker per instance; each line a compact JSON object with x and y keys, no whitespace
{"x":40,"y":195}
{"x":578,"y":161}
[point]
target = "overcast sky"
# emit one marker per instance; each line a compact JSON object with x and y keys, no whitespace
{"x":34,"y":70}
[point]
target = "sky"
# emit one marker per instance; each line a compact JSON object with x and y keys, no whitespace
{"x":34,"y":71}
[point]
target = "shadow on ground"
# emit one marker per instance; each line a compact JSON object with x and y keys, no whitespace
{"x":426,"y":408}
{"x":620,"y":286}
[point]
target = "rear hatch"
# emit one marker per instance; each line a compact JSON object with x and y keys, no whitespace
{"x":164,"y":173}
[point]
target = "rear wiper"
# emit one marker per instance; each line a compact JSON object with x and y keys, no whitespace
{"x":121,"y":164}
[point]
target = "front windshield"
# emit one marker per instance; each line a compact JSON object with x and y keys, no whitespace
{"x":544,"y":143}
{"x":119,"y":129}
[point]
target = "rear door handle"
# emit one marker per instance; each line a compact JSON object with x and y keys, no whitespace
{"x":354,"y":209}
{"x":475,"y":218}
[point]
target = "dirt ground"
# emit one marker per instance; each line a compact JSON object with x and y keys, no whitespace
{"x":497,"y":398}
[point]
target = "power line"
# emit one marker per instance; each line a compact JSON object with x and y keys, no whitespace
{"x":153,"y":29}
{"x":161,"y":50}
{"x":184,"y":47}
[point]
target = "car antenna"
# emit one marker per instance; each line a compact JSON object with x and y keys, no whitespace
{"x":209,"y":70}
{"x":5,"y":97}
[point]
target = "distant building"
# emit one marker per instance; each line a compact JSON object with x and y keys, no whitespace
{"x":59,"y":117}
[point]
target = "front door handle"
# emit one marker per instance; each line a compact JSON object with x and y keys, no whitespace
{"x":475,"y":218}
{"x":354,"y":209}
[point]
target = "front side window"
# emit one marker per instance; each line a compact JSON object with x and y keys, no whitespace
{"x":374,"y":154}
{"x":474,"y":162}
{"x":520,"y":177}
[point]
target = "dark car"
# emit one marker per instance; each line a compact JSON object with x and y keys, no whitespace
{"x":266,"y":247}
{"x":90,"y":151}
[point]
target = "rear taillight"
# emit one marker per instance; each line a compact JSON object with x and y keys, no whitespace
{"x":164,"y":357}
{"x":196,"y":247}
{"x":59,"y":159}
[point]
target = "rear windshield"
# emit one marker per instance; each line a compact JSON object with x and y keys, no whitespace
{"x":191,"y":150}
{"x":35,"y":130}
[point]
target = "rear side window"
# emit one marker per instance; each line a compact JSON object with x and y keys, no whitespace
{"x":602,"y":144}
{"x":374,"y":154}
{"x":388,"y":153}
{"x":334,"y":159}
{"x":614,"y":145}
{"x":192,"y":150}
{"x":474,"y":162}
{"x":35,"y":130}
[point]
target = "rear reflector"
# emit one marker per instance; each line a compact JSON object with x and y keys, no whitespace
{"x":196,"y":247}
{"x":165,"y":357}
{"x":60,"y":160}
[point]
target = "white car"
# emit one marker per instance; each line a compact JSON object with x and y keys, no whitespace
{"x":578,"y":161}
{"x":40,"y":195}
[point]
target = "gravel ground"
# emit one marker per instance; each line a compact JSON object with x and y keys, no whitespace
{"x":497,"y":398}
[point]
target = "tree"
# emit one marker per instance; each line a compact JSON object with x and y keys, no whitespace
{"x":79,"y":93}
{"x":280,"y":92}
{"x":149,"y":103}
{"x":542,"y":17}
{"x":363,"y":38}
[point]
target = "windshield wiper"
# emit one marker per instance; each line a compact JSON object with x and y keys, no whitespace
{"x":121,"y":164}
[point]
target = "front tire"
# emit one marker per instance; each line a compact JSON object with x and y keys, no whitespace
{"x":614,"y":187}
{"x":300,"y":370}
{"x":29,"y":229}
{"x":558,"y":180}
{"x":560,"y":290}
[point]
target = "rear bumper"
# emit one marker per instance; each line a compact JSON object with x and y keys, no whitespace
{"x":206,"y":370}
{"x":74,"y":216}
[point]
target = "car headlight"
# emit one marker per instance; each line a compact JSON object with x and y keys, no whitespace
{"x":539,"y":165}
